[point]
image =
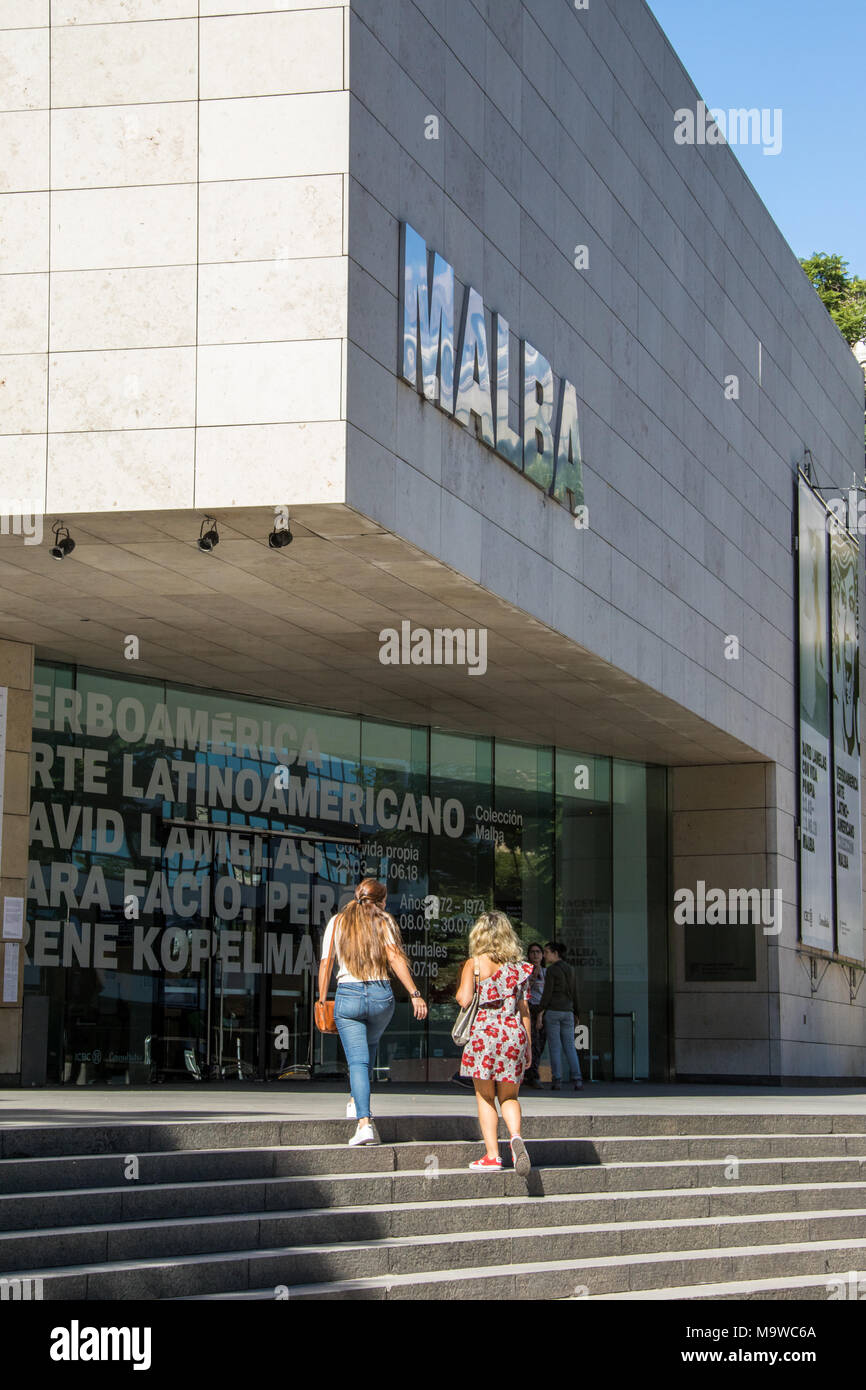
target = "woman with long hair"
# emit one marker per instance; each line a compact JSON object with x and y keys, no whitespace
{"x":499,"y":1048}
{"x":367,"y":945}
{"x":534,"y":991}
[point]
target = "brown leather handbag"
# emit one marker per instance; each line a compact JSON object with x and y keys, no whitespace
{"x":324,"y":1008}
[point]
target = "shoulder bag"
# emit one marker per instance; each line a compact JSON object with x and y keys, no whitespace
{"x":466,"y":1017}
{"x":324,"y":1008}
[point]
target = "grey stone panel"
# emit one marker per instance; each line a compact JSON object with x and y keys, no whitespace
{"x":558,"y":130}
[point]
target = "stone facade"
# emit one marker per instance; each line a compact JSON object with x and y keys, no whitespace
{"x":199,"y":267}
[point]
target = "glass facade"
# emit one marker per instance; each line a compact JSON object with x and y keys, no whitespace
{"x":188,"y":848}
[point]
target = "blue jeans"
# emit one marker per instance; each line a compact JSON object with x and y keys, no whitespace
{"x":362,"y":1013}
{"x":559,"y":1026}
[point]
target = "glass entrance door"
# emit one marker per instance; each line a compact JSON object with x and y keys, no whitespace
{"x":234,"y":998}
{"x":306,"y":880}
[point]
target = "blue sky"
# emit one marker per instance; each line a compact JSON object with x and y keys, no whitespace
{"x":808,"y":59}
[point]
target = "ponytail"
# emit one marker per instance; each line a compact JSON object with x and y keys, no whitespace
{"x":366,"y":930}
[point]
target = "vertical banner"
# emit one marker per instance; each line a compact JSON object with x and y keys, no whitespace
{"x":816,"y":828}
{"x":845,"y":629}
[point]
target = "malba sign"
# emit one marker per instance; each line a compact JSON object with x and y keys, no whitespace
{"x":468,"y":377}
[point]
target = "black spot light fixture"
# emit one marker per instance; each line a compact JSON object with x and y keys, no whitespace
{"x":63,"y":542}
{"x":208,"y":539}
{"x":280,"y":537}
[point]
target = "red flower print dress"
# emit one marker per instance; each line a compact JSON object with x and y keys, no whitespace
{"x":496,"y":1050}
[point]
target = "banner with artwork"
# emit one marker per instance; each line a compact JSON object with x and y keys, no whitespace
{"x":816,"y":825}
{"x":845,"y":630}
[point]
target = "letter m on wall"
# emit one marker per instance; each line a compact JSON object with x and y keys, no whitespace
{"x":427,"y":316}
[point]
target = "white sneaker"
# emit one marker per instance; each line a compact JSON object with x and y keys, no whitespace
{"x":350,"y":1109}
{"x":364,"y":1134}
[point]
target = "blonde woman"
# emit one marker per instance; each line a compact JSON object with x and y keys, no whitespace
{"x":499,"y":1049}
{"x":367,"y":945}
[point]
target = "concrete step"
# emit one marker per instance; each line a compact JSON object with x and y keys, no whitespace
{"x":558,"y":1279}
{"x":267,"y":1205}
{"x":32,"y":1213}
{"x":267,"y":1274}
{"x":282,"y":1160}
{"x":700,"y":1172}
{"x":366,"y":1253}
{"x":54,"y":1174}
{"x":377,"y":1181}
{"x":572,"y":1120}
{"x":131,"y":1202}
{"x":796,"y":1286}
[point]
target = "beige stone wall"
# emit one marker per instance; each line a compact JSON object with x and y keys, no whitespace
{"x":173,"y":270}
{"x":803,"y":1016}
{"x":16,"y":674}
{"x":724,"y":819}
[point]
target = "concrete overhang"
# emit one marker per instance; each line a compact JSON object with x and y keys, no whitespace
{"x":301,"y":625}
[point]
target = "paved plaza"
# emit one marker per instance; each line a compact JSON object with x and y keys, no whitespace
{"x":298,"y":1100}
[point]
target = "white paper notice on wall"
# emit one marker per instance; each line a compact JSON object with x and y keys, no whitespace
{"x":10,"y":972}
{"x":13,"y":919}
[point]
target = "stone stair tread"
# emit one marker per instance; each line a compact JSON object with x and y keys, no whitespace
{"x":385,"y":1281}
{"x":618,"y":1165}
{"x":540,"y":1267}
{"x":667,"y":1223}
{"x":90,"y":1137}
{"x":121,"y":1235}
{"x":652,"y":1139}
{"x":590,"y":1262}
{"x":539,"y":1139}
{"x":732,"y":1288}
{"x":714,"y":1162}
{"x":617,"y":1195}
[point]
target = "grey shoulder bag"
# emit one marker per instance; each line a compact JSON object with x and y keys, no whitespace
{"x":466,"y":1017}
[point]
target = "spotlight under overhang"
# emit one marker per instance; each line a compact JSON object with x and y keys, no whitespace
{"x":63,"y":542}
{"x":208,"y":539}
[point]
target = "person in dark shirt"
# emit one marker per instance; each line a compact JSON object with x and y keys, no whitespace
{"x":559,"y":1009}
{"x":535,"y":989}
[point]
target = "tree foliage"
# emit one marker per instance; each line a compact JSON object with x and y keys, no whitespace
{"x":844,"y":295}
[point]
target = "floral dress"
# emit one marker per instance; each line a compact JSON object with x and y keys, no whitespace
{"x":496,"y":1050}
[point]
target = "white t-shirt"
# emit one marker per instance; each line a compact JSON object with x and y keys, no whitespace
{"x":343,"y":975}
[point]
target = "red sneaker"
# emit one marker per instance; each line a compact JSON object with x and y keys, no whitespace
{"x":487,"y":1164}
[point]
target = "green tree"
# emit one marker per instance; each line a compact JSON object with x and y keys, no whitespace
{"x":844,"y":295}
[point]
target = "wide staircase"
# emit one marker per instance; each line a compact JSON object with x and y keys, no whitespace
{"x":617,"y":1207}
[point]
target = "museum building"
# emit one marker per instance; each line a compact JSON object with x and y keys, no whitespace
{"x":415,"y":461}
